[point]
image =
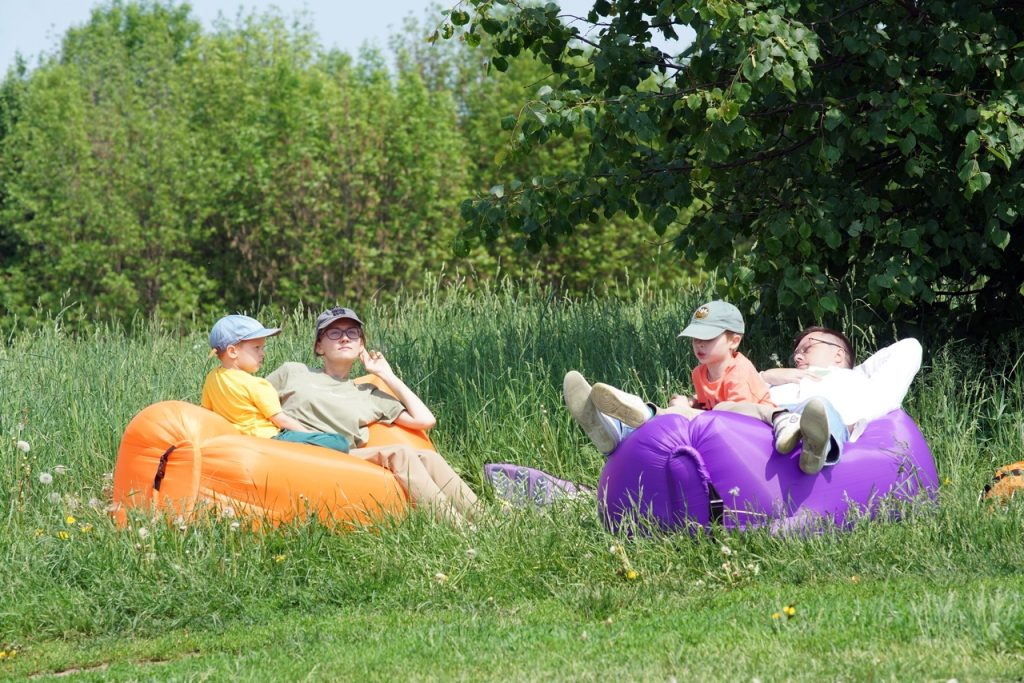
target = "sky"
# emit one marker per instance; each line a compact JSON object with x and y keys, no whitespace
{"x":32,"y":27}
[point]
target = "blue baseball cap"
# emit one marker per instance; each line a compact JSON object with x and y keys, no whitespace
{"x":232,"y":329}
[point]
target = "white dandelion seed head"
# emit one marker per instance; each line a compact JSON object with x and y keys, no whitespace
{"x":45,"y":478}
{"x":235,"y":525}
{"x":471,"y":553}
{"x":23,"y":446}
{"x":54,"y":498}
{"x":726,"y":550}
{"x":229,"y":512}
{"x":95,"y":504}
{"x":143,"y":532}
{"x":734,"y":491}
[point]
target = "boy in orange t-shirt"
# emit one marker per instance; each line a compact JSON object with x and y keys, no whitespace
{"x":723,"y":376}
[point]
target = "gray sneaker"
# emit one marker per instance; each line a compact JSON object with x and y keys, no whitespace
{"x":627,"y":408}
{"x":576,"y":391}
{"x":814,"y":427}
{"x":786,"y":426}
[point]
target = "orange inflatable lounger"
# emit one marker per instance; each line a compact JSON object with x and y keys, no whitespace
{"x":175,"y":455}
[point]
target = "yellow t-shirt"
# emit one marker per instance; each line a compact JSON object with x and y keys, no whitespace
{"x":246,"y":401}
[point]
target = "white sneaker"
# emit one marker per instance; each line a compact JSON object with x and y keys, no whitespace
{"x":786,"y":426}
{"x":627,"y":408}
{"x":577,"y":394}
{"x":814,"y":427}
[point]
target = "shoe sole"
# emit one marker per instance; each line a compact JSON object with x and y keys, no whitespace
{"x":605,"y":397}
{"x":814,"y":427}
{"x":577,"y":394}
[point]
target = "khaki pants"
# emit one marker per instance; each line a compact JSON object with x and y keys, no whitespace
{"x":427,"y":479}
{"x":758,"y":410}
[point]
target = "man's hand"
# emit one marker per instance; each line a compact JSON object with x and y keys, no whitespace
{"x":777,"y":376}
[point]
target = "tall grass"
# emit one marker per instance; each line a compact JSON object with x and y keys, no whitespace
{"x":490,"y":364}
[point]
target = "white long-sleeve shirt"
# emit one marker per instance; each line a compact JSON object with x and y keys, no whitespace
{"x":864,"y":393}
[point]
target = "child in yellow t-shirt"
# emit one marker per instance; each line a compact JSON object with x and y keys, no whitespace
{"x":249,"y":402}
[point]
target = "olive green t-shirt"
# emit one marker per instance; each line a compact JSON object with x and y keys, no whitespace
{"x":325,"y":404}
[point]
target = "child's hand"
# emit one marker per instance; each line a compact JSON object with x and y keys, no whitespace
{"x":678,"y":399}
{"x":375,"y":362}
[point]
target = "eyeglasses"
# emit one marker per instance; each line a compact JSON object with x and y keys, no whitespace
{"x":804,"y":348}
{"x":336,"y":333}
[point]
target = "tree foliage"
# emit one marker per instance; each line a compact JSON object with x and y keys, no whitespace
{"x":817,"y":153}
{"x":151,"y":165}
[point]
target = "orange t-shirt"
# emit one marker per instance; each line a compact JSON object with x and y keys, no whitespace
{"x":739,"y":382}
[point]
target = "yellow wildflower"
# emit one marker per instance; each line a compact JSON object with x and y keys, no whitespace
{"x":39,"y":532}
{"x":776,"y":615}
{"x":63,"y":535}
{"x":790,"y":611}
{"x":279,"y":558}
{"x":85,"y":528}
{"x":69,"y":520}
{"x":632,"y":575}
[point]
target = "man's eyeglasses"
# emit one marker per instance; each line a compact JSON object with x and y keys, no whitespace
{"x":336,"y":333}
{"x":804,"y":348}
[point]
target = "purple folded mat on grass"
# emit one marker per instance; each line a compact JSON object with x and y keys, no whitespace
{"x":522,"y":486}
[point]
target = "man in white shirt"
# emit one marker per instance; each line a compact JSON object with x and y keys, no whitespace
{"x":829,"y":401}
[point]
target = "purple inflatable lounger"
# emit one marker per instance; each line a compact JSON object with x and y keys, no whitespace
{"x":669,"y":473}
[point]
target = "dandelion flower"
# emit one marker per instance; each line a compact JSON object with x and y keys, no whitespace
{"x":440,"y":577}
{"x":39,"y":532}
{"x":471,"y":553}
{"x":235,"y":525}
{"x":279,"y":558}
{"x":54,"y":498}
{"x":947,"y":481}
{"x":3,"y":654}
{"x":143,"y":532}
{"x":776,"y":615}
{"x":632,"y":575}
{"x":734,"y":491}
{"x":69,"y":520}
{"x":85,"y":528}
{"x":63,"y":535}
{"x":855,"y":579}
{"x":23,"y":446}
{"x":45,"y":478}
{"x":790,"y":610}
{"x":96,"y":504}
{"x":726,"y":550}
{"x":229,"y":512}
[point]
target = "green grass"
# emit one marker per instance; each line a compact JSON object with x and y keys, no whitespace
{"x":530,"y":595}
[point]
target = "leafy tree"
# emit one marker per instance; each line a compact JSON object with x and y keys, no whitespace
{"x":604,"y":256}
{"x":95,"y":170}
{"x":823,"y":153}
